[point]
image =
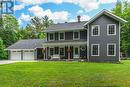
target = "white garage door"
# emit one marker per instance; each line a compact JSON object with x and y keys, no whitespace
{"x":15,"y":55}
{"x":28,"y":55}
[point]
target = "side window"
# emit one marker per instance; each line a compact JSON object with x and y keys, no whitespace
{"x":95,"y":31}
{"x":111,"y":29}
{"x":111,"y":49}
{"x":95,"y":49}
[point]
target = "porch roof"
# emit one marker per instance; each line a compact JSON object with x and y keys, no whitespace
{"x":66,"y":43}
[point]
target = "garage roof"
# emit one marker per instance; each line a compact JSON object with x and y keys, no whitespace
{"x":27,"y":44}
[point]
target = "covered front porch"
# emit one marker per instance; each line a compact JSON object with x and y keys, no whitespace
{"x":67,"y":52}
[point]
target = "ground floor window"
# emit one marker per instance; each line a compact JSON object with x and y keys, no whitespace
{"x":62,"y":51}
{"x":95,"y":49}
{"x":111,"y":49}
{"x":51,"y":51}
{"x":76,"y":50}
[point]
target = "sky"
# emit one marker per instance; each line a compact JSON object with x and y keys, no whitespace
{"x":60,"y":10}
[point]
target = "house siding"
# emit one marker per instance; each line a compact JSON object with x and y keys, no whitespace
{"x":104,"y":39}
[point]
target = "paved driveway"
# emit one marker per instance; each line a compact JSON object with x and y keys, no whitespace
{"x":6,"y":61}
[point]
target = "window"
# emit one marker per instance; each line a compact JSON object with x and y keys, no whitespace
{"x":76,"y":35}
{"x":95,"y":49}
{"x":56,"y":50}
{"x":51,"y":36}
{"x":111,"y":50}
{"x":95,"y":30}
{"x":76,"y":50}
{"x":62,"y":51}
{"x":62,"y":36}
{"x":111,"y":29}
{"x":51,"y":51}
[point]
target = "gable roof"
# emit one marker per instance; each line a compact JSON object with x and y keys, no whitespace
{"x":66,"y":26}
{"x":108,"y":13}
{"x":27,"y":44}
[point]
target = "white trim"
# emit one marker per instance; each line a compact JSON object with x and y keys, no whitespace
{"x":18,"y":49}
{"x":92,"y":49}
{"x":92,"y":28}
{"x":53,"y":36}
{"x":119,"y":41}
{"x":108,"y":29}
{"x":78,"y":35}
{"x":63,"y":36}
{"x":114,"y":49}
{"x":62,"y":30}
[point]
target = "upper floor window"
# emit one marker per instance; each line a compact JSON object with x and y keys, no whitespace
{"x":51,"y":37}
{"x":76,"y":35}
{"x":111,"y":49}
{"x":95,"y":30}
{"x":95,"y":49}
{"x":111,"y":29}
{"x":62,"y":36}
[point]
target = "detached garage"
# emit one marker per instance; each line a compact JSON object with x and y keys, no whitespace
{"x":25,"y":49}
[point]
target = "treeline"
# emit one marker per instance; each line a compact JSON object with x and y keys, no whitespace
{"x":10,"y":31}
{"x":123,"y":10}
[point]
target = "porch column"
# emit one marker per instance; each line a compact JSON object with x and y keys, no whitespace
{"x":44,"y":53}
{"x":69,"y":52}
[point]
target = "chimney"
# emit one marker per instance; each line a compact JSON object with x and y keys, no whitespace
{"x":78,"y":17}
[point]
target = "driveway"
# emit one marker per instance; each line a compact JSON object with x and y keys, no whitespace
{"x":6,"y":62}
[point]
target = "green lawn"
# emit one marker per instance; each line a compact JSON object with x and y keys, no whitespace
{"x":65,"y":74}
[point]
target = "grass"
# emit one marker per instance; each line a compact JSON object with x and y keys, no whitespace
{"x":65,"y":74}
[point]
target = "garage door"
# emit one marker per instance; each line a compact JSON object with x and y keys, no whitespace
{"x":28,"y":55}
{"x":15,"y":55}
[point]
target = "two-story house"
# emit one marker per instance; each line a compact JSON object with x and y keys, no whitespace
{"x":95,"y":40}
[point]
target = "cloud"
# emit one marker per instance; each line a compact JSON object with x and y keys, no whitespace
{"x":80,"y":12}
{"x":25,"y":17}
{"x":19,"y":7}
{"x":60,"y":16}
{"x":83,"y":18}
{"x":88,"y":5}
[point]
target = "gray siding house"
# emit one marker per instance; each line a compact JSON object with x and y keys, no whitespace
{"x":95,"y":40}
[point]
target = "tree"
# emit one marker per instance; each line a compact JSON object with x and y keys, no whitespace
{"x":9,"y":30}
{"x":37,"y":26}
{"x":3,"y":53}
{"x":122,"y":10}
